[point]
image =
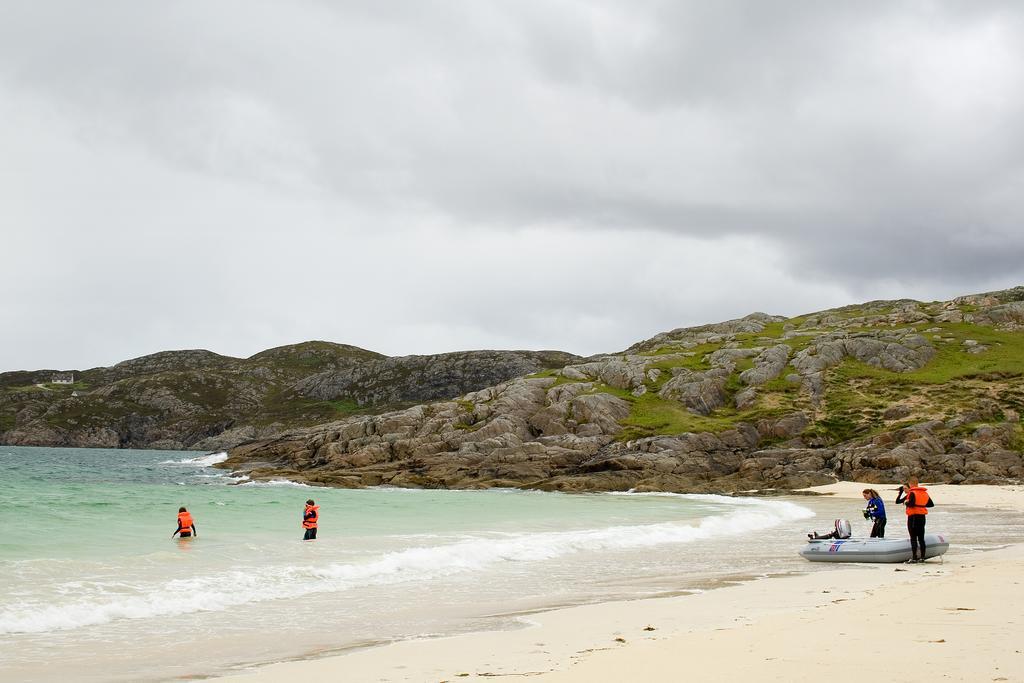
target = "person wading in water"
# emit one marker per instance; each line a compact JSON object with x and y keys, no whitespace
{"x":309,"y":520}
{"x":186,"y":525}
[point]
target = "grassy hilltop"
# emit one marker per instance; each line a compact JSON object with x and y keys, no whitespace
{"x":978,"y":363}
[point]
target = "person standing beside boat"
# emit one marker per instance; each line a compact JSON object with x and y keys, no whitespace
{"x":310,"y":518}
{"x":917,"y":500}
{"x":875,"y":511}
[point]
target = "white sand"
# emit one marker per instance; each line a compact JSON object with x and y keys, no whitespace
{"x":961,"y":620}
{"x":991,"y":497}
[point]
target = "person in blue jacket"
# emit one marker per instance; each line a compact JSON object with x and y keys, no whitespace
{"x":875,"y":511}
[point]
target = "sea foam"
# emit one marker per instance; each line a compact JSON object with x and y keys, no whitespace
{"x":216,"y":592}
{"x":273,"y":482}
{"x":201,"y":461}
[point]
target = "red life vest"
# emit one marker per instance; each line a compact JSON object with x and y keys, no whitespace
{"x":310,"y":522}
{"x":920,"y":501}
{"x":185,"y":521}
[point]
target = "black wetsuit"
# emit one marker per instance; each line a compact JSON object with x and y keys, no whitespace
{"x":186,"y":533}
{"x":878,"y":528}
{"x":915,"y":525}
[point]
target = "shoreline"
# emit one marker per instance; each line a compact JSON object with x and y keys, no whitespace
{"x":771,"y":629}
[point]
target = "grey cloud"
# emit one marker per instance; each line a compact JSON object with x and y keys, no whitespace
{"x":873,"y":147}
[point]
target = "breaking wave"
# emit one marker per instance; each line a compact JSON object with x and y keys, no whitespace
{"x":201,"y":461}
{"x":222,"y":591}
{"x":273,"y":482}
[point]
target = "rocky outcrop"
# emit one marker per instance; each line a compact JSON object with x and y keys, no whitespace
{"x":898,"y":351}
{"x":532,"y":433}
{"x":933,"y":453}
{"x":689,"y":337}
{"x":1006,"y":316}
{"x":414,"y":379}
{"x":518,"y":431}
{"x":701,"y":392}
{"x":768,"y":365}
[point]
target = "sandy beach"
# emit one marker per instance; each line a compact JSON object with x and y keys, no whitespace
{"x":954,"y":620}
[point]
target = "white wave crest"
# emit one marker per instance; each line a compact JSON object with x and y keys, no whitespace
{"x":274,"y":482}
{"x":201,"y":461}
{"x":708,"y":497}
{"x":225,"y":590}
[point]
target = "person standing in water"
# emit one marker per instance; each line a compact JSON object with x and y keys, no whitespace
{"x":918,"y":501}
{"x":186,"y":525}
{"x":309,"y":520}
{"x":875,"y":511}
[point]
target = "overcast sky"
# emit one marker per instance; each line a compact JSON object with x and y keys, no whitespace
{"x":420,"y":177}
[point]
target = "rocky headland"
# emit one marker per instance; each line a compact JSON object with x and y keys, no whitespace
{"x":204,"y":401}
{"x":873,"y":392}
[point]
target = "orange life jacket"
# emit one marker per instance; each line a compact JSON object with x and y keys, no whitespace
{"x":311,"y":522}
{"x":920,"y":501}
{"x":185,"y":521}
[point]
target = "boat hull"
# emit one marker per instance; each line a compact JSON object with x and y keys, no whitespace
{"x":886,"y":550}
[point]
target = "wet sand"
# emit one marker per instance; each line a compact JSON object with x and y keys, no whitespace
{"x":955,"y":620}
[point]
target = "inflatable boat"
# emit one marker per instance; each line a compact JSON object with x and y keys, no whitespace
{"x":871,"y":549}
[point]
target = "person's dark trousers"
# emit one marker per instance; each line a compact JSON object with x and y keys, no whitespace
{"x":915,"y":525}
{"x":878,"y":530}
{"x":310,"y":535}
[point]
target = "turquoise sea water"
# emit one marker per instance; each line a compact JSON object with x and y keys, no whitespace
{"x":94,"y":588}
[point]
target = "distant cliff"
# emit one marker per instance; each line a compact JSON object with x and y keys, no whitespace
{"x":874,"y":392}
{"x":201,"y":400}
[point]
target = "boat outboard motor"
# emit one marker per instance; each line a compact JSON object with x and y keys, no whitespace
{"x":840,"y":529}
